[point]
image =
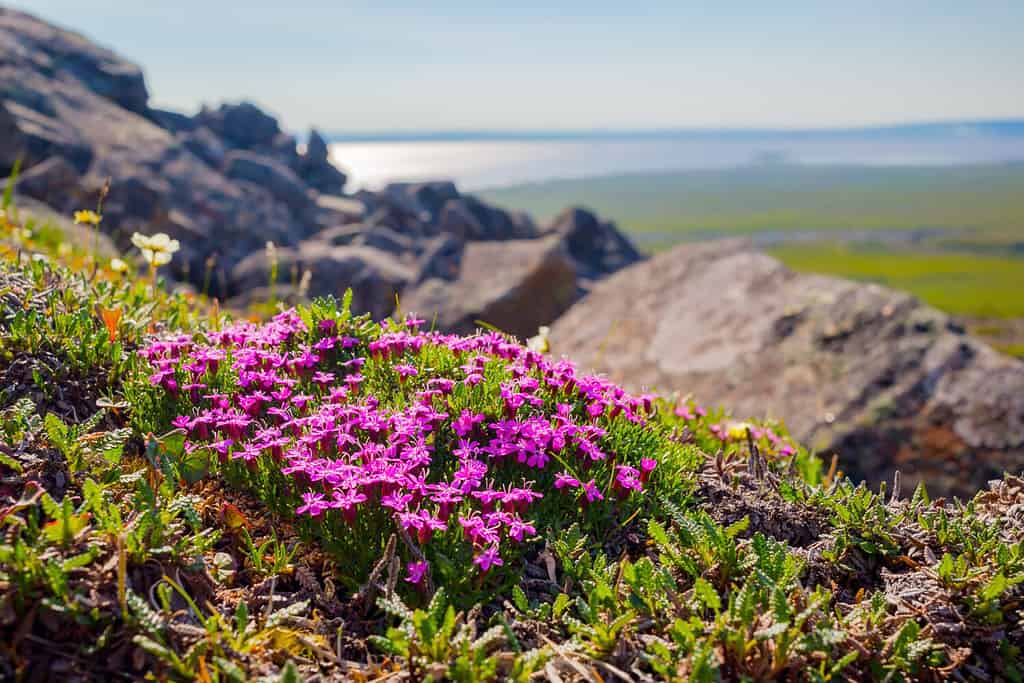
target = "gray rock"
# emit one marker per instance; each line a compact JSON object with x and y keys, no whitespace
{"x":472,"y":219}
{"x":172,"y":121}
{"x":360,"y":234}
{"x":316,"y":148}
{"x":13,"y":142}
{"x":340,"y":235}
{"x":429,"y":197}
{"x":203,"y":143}
{"x":347,"y":209}
{"x":269,"y":174}
{"x":515,"y":285}
{"x":64,"y":55}
{"x":242,"y":125}
{"x":597,"y":246}
{"x":53,"y":181}
{"x":315,"y":168}
{"x":856,"y":369}
{"x":374,"y":276}
{"x":441,"y":258}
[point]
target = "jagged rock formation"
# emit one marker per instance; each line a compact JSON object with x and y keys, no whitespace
{"x":227,"y":180}
{"x":867,"y":372}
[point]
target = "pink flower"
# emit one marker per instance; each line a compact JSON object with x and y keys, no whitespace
{"x":563,"y":480}
{"x":313,"y":505}
{"x":592,"y":492}
{"x":488,"y":558}
{"x":417,"y":571}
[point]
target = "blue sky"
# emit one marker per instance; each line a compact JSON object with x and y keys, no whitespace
{"x":450,"y":64}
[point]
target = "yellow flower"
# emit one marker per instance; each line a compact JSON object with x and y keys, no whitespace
{"x":738,"y":430}
{"x":87,"y":217}
{"x":156,"y":249}
{"x":118,"y":266}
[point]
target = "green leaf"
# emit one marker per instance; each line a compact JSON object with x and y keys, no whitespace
{"x":946,"y":566}
{"x":230,"y":669}
{"x":561,"y":604}
{"x":995,"y":587}
{"x":707,"y":594}
{"x":737,"y":527}
{"x":658,"y":534}
{"x":154,"y":648}
{"x":241,"y":617}
{"x":519,"y":599}
{"x":57,"y":432}
{"x":289,"y":674}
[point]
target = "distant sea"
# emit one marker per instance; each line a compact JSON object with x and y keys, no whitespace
{"x":491,"y":159}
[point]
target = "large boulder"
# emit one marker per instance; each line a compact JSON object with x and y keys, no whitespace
{"x":516,"y":285}
{"x":857,"y":369}
{"x":597,"y":246}
{"x":269,"y":174}
{"x":53,"y":181}
{"x":205,"y":144}
{"x":315,"y":168}
{"x":67,"y":56}
{"x":374,"y":276}
{"x":242,"y":125}
{"x":483,"y":221}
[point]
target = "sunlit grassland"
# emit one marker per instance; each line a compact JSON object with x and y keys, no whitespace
{"x":985,"y":199}
{"x":960,"y":283}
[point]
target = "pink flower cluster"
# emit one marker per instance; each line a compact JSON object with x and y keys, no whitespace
{"x":425,"y":452}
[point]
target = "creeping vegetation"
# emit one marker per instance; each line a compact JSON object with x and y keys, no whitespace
{"x":325,"y":497}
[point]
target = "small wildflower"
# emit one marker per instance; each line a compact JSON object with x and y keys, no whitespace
{"x":156,"y":249}
{"x":118,"y":266}
{"x":87,"y":218}
{"x":540,"y":342}
{"x":417,"y":571}
{"x":488,"y":558}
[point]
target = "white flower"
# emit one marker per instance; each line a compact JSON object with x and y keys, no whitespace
{"x":156,"y":249}
{"x":118,"y":266}
{"x":540,"y":343}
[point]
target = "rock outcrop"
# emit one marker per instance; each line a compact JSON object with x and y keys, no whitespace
{"x":517,"y":285}
{"x":597,"y":247}
{"x":227,"y":180}
{"x":856,"y":369}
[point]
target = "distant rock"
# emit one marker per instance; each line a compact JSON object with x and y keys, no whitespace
{"x":270,"y":175}
{"x":51,"y":181}
{"x":857,"y":369}
{"x":375,"y":276}
{"x":515,"y":285}
{"x":315,"y":168}
{"x":242,"y":125}
{"x":205,"y":144}
{"x":597,"y":246}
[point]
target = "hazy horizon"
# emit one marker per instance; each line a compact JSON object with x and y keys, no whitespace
{"x":461,"y":66}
